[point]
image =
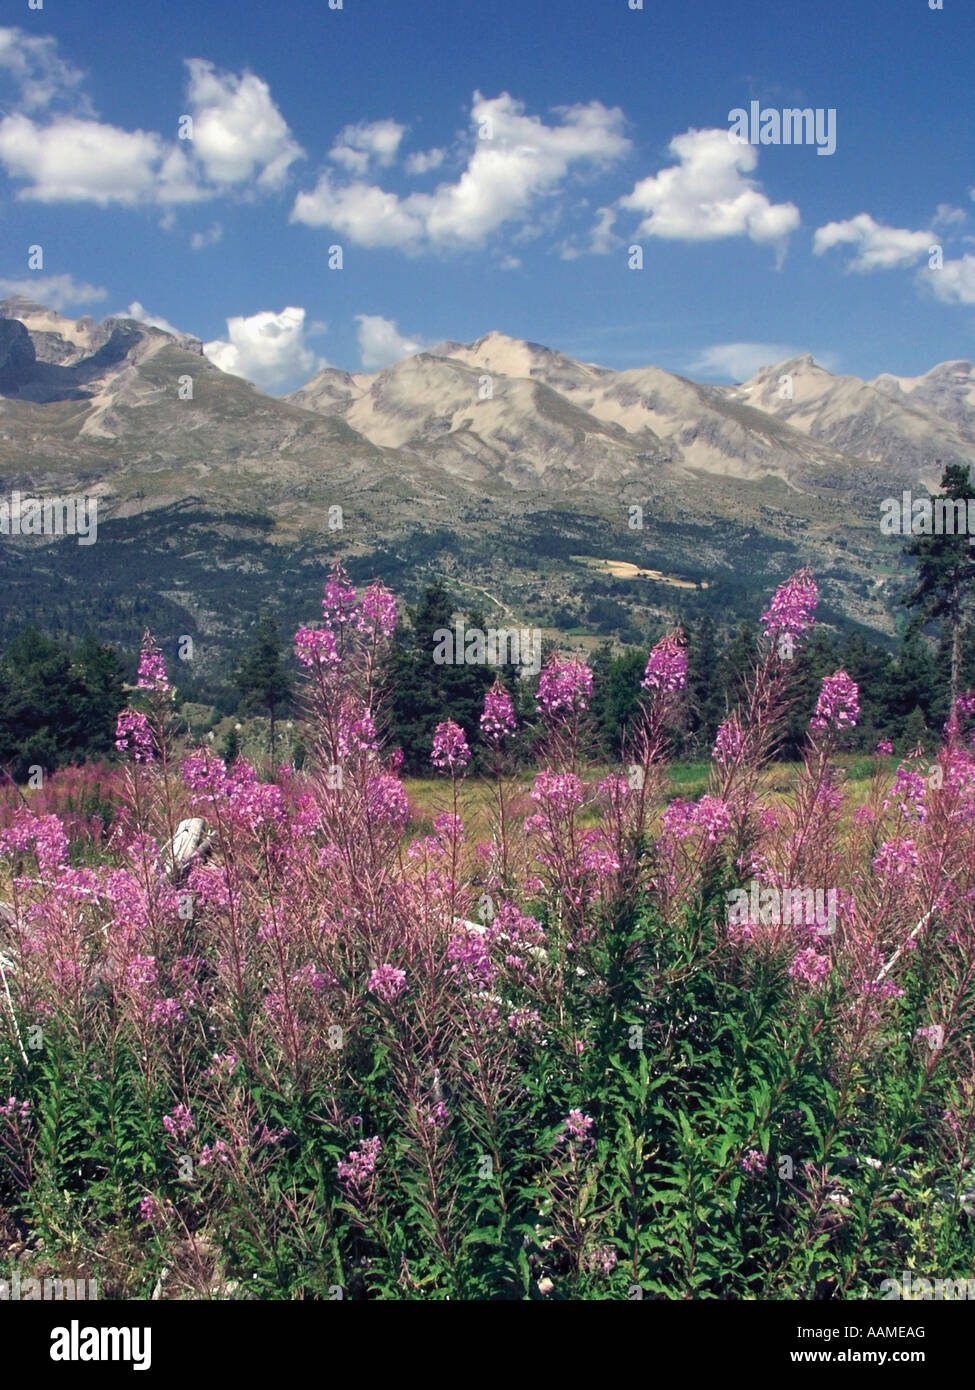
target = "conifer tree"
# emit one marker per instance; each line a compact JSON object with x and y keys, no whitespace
{"x":945,"y":567}
{"x":261,"y":678}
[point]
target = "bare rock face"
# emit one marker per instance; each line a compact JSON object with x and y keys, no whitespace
{"x":18,"y":360}
{"x":46,"y":357}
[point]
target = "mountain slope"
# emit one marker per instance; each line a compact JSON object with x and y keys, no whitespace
{"x":509,"y":468}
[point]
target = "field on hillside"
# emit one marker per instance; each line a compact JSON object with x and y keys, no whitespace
{"x":658,"y":1031}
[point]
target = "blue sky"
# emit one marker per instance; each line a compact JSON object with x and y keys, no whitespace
{"x":489,"y":166}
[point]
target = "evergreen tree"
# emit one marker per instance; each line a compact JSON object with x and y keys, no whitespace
{"x":263,"y":682}
{"x":230,"y":748}
{"x":945,"y":568}
{"x":870,"y":665}
{"x":737,"y":661}
{"x":98,"y":670}
{"x":911,"y":683}
{"x":423,"y":690}
{"x":56,"y":707}
{"x":704,"y":689}
{"x":615,"y":694}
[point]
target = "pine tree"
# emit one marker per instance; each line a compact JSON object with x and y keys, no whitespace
{"x":261,"y":678}
{"x":705,"y":697}
{"x":424,"y":691}
{"x":945,"y":568}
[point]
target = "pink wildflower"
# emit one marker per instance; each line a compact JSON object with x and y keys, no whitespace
{"x":838,"y":704}
{"x":387,"y":982}
{"x":564,"y":686}
{"x":450,"y":750}
{"x":793,"y":607}
{"x":666,"y":669}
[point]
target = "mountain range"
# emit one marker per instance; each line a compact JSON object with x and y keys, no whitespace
{"x":587,"y":501}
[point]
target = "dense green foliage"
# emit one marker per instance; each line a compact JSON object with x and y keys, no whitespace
{"x":58,"y":704}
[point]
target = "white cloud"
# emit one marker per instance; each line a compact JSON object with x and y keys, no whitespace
{"x":510,"y":263}
{"x":602,"y":237}
{"x":877,"y":247}
{"x":381,"y":343}
{"x":360,"y":145}
{"x":516,"y":160}
{"x":240,"y":137}
{"x":54,"y":291}
{"x":954,"y":283}
{"x":210,"y":237}
{"x":74,"y":160}
{"x":140,"y":312}
{"x":707,"y":195}
{"x":41,"y":74}
{"x":237,"y":128}
{"x":947,"y":215}
{"x":424,"y":160}
{"x":739,"y":361}
{"x":367,"y":215}
{"x":266,"y":348}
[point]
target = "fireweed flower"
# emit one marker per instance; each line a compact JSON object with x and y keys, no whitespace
{"x":793,"y":608}
{"x":166,"y":1012}
{"x":450,"y":750}
{"x":498,"y":718}
{"x":356,"y":734}
{"x":219,"y":1153}
{"x":558,"y":791}
{"x":133,"y":735}
{"x":315,"y":647}
{"x":564,"y":687}
{"x":45,"y":833}
{"x":180,"y":1123}
{"x":838,"y":704}
{"x":682,"y":818}
{"x":338,"y":600}
{"x":884,"y":748}
{"x":467,"y":951}
{"x":754,"y":1162}
{"x":951,"y":1120}
{"x":909,"y":794}
{"x":712,"y":816}
{"x":729,"y":743}
{"x":204,"y":771}
{"x":666,"y":669}
{"x":152,"y":667}
{"x":357,"y":1170}
{"x":577,"y":1128}
{"x":386,"y":802}
{"x":512,"y":925}
{"x":148,"y":1208}
{"x":379,"y":610}
{"x":438,"y":1116}
{"x":387,"y":982}
{"x":602,"y":1260}
{"x":809,"y":967}
{"x":896,"y":858}
{"x":961,"y":712}
{"x":526,"y":1021}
